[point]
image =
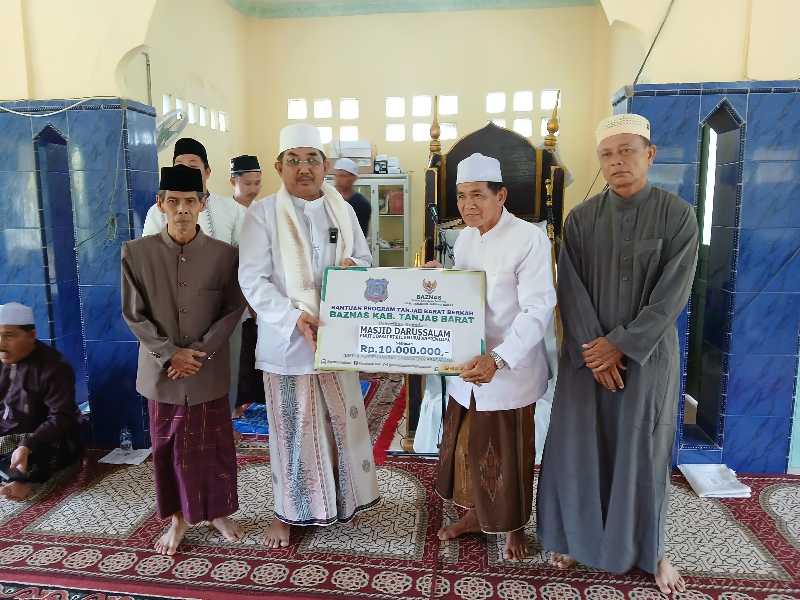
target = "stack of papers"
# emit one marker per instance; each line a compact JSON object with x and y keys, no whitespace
{"x":714,"y":481}
{"x":125,"y":457}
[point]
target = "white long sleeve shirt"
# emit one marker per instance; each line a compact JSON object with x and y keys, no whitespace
{"x":222,"y":219}
{"x":281,"y":348}
{"x":520,"y":299}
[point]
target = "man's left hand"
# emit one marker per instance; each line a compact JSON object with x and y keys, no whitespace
{"x":601,"y":355}
{"x":348,"y":262}
{"x":480,"y":369}
{"x":19,"y":459}
{"x":175,"y":374}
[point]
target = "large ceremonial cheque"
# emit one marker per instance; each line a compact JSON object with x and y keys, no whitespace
{"x":400,"y":320}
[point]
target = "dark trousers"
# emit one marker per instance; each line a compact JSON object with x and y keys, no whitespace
{"x":44,"y":461}
{"x":251,"y":382}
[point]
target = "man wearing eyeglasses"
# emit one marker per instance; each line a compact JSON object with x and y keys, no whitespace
{"x":320,"y":451}
{"x":222,"y":217}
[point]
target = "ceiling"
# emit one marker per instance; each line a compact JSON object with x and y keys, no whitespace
{"x":292,"y":9}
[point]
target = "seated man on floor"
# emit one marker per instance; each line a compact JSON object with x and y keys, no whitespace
{"x":39,"y":430}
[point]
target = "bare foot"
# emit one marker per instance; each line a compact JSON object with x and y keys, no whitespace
{"x":277,"y":535}
{"x":16,"y":490}
{"x":562,"y":561}
{"x":169,"y":542}
{"x":229,"y":528}
{"x":466,"y":524}
{"x":516,"y":545}
{"x":668,"y":579}
{"x":237,"y":437}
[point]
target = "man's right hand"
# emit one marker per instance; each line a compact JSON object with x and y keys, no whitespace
{"x":185,"y":363}
{"x":308,"y":325}
{"x":611,"y":378}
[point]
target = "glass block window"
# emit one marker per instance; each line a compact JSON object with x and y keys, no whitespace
{"x":495,"y":102}
{"x":448,"y":105}
{"x":523,"y":101}
{"x":323,"y":108}
{"x":421,"y":132}
{"x":449,"y":131}
{"x":395,"y":132}
{"x":348,"y":109}
{"x":326,"y":134}
{"x":548,"y":99}
{"x":348,"y":133}
{"x":524,"y":127}
{"x":421,"y":106}
{"x":395,"y":107}
{"x":297,"y":108}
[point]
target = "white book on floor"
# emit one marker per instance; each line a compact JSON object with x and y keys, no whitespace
{"x":714,"y":481}
{"x":119,"y":456}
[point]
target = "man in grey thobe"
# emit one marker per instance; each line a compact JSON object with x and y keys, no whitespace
{"x":625,"y":272}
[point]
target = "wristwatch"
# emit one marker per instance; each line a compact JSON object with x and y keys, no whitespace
{"x":498,"y":360}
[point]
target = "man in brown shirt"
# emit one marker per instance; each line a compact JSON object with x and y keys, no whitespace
{"x":39,"y":431}
{"x":181,"y":299}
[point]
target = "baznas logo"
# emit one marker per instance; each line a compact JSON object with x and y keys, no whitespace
{"x":377,"y":290}
{"x":428,"y":286}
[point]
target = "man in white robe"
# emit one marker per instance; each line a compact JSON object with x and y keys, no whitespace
{"x":222,"y":218}
{"x":487,"y":453}
{"x":320,"y":451}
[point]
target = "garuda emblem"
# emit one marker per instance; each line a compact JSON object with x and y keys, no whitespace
{"x":429,"y":286}
{"x":377,"y":290}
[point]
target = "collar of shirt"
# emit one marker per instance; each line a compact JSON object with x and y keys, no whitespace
{"x":308,"y":205}
{"x":633,"y":201}
{"x":505,"y":217}
{"x":198,"y":242}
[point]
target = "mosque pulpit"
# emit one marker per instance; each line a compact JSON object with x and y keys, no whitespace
{"x":535,"y":182}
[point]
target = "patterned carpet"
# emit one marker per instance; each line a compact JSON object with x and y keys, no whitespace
{"x":97,"y":532}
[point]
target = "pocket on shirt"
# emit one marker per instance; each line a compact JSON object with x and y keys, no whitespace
{"x":648,"y":258}
{"x":643,"y":246}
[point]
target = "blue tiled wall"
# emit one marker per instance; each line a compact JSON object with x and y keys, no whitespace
{"x":758,"y":216}
{"x":110,"y":175}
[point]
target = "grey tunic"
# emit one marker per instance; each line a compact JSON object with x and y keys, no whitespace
{"x":625,"y":271}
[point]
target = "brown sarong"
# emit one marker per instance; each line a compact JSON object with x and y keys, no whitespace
{"x":194,"y":459}
{"x":486,"y":462}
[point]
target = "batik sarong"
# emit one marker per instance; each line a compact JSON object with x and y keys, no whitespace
{"x":486,"y":463}
{"x":320,"y":451}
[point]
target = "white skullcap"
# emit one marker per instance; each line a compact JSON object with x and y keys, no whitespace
{"x":479,"y":168}
{"x":345,"y":164}
{"x":300,"y":135}
{"x":624,"y":123}
{"x":15,"y":313}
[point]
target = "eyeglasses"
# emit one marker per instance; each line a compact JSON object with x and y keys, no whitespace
{"x":311,"y":162}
